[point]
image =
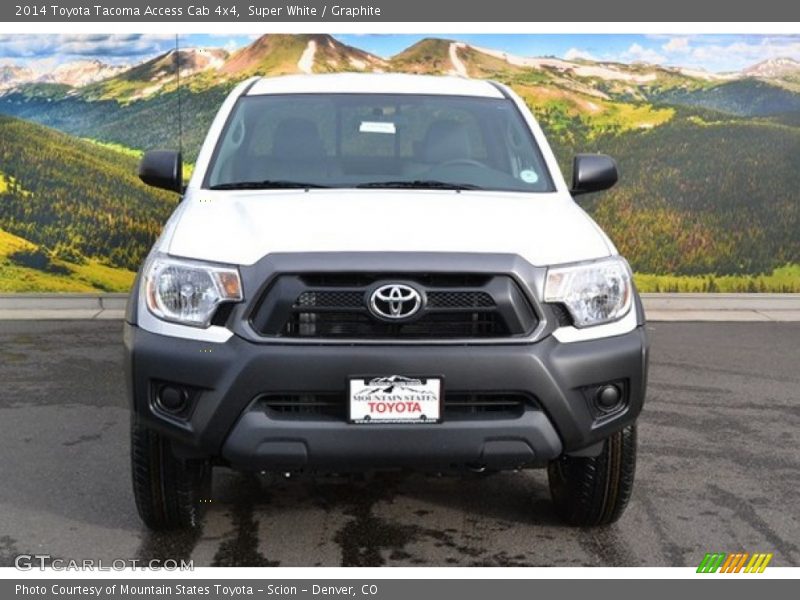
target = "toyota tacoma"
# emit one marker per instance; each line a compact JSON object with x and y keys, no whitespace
{"x":382,"y":272}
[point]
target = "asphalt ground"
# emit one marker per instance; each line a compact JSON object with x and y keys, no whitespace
{"x":718,"y":470}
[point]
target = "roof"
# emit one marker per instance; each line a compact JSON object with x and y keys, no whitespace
{"x":374,"y":83}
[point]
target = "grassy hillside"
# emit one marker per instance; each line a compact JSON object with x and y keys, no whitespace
{"x":279,"y":54}
{"x":78,"y":200}
{"x":141,"y":125}
{"x":276,"y":54}
{"x":332,"y":56}
{"x":45,"y":91}
{"x":153,"y":76}
{"x":25,"y":267}
{"x":428,"y":56}
{"x":784,"y":279}
{"x":707,"y":199}
{"x":713,"y":198}
{"x":745,"y":97}
{"x":573,"y":118}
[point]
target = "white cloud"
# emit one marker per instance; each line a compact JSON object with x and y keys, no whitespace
{"x":744,"y":53}
{"x":638,"y":53}
{"x":244,"y":36}
{"x":578,"y":54}
{"x":677,"y":45}
{"x":105,"y":46}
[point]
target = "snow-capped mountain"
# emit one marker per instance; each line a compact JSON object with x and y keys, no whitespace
{"x":13,"y":75}
{"x":774,"y":67}
{"x":279,"y":54}
{"x":80,"y":73}
{"x":74,"y":74}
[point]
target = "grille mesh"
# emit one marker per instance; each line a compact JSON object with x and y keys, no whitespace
{"x":347,"y":299}
{"x":460,"y":300}
{"x":332,"y":324}
{"x":325,"y":299}
{"x":335,"y":306}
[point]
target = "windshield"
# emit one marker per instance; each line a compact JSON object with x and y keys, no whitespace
{"x":378,"y":141}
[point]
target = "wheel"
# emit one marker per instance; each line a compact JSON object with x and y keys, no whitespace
{"x":590,"y":491}
{"x":168,"y":491}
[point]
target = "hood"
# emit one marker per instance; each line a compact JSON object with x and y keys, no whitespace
{"x":242,"y":227}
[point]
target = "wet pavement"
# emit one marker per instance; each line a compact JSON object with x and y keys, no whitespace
{"x":719,"y":470}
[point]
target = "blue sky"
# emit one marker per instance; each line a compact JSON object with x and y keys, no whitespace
{"x":716,"y":53}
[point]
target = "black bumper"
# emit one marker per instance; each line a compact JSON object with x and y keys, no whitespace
{"x":226,"y":423}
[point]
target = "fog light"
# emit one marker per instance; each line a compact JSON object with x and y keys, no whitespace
{"x":608,"y":397}
{"x":172,"y":399}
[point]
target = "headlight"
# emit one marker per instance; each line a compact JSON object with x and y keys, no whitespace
{"x":189,"y":292}
{"x":594,"y":293}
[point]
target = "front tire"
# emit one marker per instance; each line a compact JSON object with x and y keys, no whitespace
{"x":592,"y":491}
{"x":169,"y":492}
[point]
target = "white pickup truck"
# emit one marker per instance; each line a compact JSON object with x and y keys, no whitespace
{"x":380,"y":272}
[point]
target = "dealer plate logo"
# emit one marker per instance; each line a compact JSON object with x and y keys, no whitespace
{"x":395,"y":399}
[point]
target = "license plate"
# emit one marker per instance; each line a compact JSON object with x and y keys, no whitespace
{"x":395,"y":399}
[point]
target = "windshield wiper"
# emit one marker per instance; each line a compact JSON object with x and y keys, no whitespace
{"x":422,"y":184}
{"x":266,"y":184}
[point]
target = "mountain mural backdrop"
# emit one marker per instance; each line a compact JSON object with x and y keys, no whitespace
{"x":710,"y":163}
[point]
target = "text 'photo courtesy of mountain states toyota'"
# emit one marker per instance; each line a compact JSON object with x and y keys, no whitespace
{"x":382,"y":271}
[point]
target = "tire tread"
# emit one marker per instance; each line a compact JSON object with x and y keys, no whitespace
{"x":167,"y":491}
{"x":594,"y":491}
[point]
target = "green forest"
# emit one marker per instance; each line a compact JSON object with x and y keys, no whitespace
{"x":707,"y":199}
{"x":716,"y":198}
{"x":74,"y":201}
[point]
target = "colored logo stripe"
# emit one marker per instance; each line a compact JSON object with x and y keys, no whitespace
{"x":758,"y":563}
{"x":733,"y":563}
{"x":711,"y":562}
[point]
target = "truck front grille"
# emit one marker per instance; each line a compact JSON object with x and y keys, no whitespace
{"x":461,"y":306}
{"x":326,"y":324}
{"x":346,"y":300}
{"x":333,"y":406}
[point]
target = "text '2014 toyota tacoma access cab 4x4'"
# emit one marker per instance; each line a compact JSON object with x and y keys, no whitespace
{"x":382,"y":271}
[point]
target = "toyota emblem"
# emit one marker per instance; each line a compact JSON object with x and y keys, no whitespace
{"x":395,"y":301}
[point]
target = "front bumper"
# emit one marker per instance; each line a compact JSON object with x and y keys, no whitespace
{"x":225,"y":422}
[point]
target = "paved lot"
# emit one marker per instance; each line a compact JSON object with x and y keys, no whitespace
{"x":719,"y":469}
{"x":659,"y":307}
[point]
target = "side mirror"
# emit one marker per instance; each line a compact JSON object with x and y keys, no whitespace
{"x":593,"y":173}
{"x":162,"y":169}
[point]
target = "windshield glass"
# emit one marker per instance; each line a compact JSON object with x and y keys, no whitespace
{"x":380,"y":141}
